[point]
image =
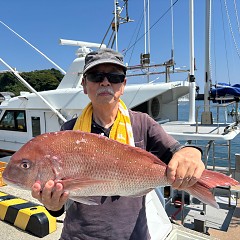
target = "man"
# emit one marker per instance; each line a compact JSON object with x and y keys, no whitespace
{"x":116,"y":217}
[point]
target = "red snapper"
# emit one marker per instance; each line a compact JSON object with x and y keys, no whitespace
{"x":92,"y":165}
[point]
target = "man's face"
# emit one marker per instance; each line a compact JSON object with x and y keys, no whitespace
{"x":104,"y":92}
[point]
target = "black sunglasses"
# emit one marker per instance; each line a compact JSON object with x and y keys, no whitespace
{"x":99,"y":77}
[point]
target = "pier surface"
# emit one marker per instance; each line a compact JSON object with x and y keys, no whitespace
{"x":10,"y":232}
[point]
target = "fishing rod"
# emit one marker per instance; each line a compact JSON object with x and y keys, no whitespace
{"x":26,"y":84}
{"x":33,"y":47}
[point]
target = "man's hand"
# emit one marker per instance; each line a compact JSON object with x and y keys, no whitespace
{"x":185,"y":168}
{"x":52,"y":196}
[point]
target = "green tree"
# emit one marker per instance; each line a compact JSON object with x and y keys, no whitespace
{"x":40,"y":80}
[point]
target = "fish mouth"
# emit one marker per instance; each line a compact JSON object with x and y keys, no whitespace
{"x":10,"y":182}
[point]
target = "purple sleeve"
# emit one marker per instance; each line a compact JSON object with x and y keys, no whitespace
{"x":159,"y":142}
{"x":149,"y":135}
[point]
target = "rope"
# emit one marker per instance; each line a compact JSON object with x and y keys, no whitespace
{"x":214,"y":51}
{"x":236,"y":13}
{"x":134,"y":44}
{"x":160,"y":18}
{"x":225,"y":44}
{"x":230,"y":27}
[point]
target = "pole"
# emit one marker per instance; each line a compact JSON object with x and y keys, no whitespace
{"x":34,"y":91}
{"x":192,"y":84}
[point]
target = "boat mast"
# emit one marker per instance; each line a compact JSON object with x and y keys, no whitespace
{"x":116,"y":22}
{"x":146,"y":8}
{"x":192,"y":84}
{"x":147,"y":26}
{"x":207,"y":115}
{"x":172,"y":51}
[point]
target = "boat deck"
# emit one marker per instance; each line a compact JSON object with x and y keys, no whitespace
{"x":222,"y":223}
{"x":215,"y":137}
{"x":187,"y":131}
{"x":233,"y":231}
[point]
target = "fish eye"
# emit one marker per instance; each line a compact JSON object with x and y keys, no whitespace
{"x":25,"y":164}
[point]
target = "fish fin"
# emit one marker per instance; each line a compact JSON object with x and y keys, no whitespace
{"x":84,"y":200}
{"x":209,"y":180}
{"x":56,"y":167}
{"x":147,"y":156}
{"x":140,"y":194}
{"x":203,"y":193}
{"x":73,"y":184}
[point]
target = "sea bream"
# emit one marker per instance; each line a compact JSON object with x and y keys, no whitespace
{"x":93,"y":165}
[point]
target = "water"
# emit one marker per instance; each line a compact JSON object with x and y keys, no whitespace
{"x":183,"y":109}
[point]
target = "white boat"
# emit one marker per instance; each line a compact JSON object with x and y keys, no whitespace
{"x":28,"y":115}
{"x":32,"y":113}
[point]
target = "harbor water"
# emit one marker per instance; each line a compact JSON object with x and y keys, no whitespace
{"x":223,"y":117}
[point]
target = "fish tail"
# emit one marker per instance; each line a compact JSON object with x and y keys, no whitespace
{"x":209,"y":180}
{"x":203,"y":193}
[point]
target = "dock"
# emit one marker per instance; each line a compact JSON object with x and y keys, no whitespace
{"x":10,"y":232}
{"x":233,"y":231}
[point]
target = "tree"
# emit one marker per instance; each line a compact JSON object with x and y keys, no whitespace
{"x":40,"y":80}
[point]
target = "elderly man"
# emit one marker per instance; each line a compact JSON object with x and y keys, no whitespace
{"x":104,"y":80}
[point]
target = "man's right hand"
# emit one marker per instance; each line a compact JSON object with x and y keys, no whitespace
{"x":52,"y":196}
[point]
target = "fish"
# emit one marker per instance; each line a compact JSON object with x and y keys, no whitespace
{"x":90,"y":165}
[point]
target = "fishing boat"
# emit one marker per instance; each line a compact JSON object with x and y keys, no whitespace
{"x":32,"y":113}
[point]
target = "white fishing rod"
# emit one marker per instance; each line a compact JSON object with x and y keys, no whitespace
{"x":26,"y":84}
{"x":34,"y":47}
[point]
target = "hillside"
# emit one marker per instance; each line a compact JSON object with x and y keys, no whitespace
{"x":40,"y":80}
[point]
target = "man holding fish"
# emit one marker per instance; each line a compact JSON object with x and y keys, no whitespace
{"x":107,"y":177}
{"x":101,"y":166}
{"x":116,"y":217}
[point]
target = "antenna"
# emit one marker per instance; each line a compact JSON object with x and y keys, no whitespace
{"x":81,"y":43}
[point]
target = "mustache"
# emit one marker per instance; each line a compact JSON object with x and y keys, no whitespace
{"x":105,"y":90}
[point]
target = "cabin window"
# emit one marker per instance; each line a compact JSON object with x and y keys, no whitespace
{"x":36,"y":127}
{"x":14,"y":120}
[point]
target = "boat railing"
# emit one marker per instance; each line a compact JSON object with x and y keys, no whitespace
{"x":223,"y":113}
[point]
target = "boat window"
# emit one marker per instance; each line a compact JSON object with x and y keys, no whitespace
{"x":14,"y":120}
{"x":36,"y":127}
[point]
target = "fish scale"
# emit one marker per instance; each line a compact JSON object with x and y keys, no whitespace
{"x":92,"y":165}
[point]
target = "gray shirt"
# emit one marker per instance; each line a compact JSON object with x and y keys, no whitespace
{"x":119,"y":217}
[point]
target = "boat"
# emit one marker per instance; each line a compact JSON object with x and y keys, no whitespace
{"x":215,"y":137}
{"x":33,"y":113}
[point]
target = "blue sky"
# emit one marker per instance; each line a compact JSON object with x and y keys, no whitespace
{"x":44,"y":22}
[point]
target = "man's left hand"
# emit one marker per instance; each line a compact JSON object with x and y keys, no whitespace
{"x":185,"y":168}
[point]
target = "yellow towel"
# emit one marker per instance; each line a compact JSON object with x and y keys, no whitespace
{"x":121,"y":130}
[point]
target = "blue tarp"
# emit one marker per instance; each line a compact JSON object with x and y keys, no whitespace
{"x":225,"y":90}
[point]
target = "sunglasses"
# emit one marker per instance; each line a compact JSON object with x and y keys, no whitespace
{"x":99,"y":77}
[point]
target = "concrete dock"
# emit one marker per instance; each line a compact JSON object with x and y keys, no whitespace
{"x":10,"y":232}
